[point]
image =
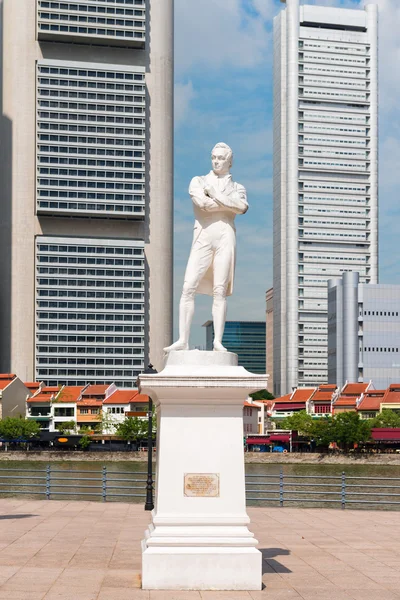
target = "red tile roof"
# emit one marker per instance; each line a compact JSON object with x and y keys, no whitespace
{"x":122,"y":397}
{"x":249,"y":404}
{"x":90,"y":402}
{"x":370,"y":403}
{"x":354,"y":389}
{"x":141,"y":398}
{"x":392,"y":394}
{"x":6,"y":379}
{"x":285,"y":398}
{"x":70,"y":393}
{"x":346,"y":401}
{"x":302,"y":394}
{"x":46,"y":398}
{"x":324,"y":393}
{"x":96,"y":390}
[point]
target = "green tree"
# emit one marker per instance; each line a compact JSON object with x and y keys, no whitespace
{"x":18,"y":428}
{"x":66,"y":427}
{"x":322,"y":430}
{"x":349,"y":429}
{"x":387,"y":418}
{"x":84,"y":442}
{"x":262,"y":395}
{"x":132,"y":429}
{"x":300,"y":422}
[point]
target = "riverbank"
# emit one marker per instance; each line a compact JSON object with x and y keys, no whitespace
{"x":250,"y":458}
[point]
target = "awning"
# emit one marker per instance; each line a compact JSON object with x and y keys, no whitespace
{"x":258,"y":440}
{"x":386,"y":434}
{"x":289,"y":406}
{"x":279,"y":437}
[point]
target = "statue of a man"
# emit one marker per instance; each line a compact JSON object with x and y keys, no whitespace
{"x":211,"y":265}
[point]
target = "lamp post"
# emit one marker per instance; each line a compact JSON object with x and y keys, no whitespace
{"x":149,"y":505}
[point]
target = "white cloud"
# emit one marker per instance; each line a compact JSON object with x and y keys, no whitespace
{"x":184,"y":94}
{"x":215,"y":34}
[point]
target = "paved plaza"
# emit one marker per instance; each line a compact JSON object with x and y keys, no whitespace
{"x":58,"y":550}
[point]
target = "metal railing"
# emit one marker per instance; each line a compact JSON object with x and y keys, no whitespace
{"x":52,"y":482}
{"x":277,"y":489}
{"x":342,"y":489}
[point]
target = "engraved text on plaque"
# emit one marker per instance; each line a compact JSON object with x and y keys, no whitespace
{"x":203,"y":485}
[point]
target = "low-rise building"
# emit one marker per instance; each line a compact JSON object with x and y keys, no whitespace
{"x":291,"y":403}
{"x":391,"y":399}
{"x":320,"y":403}
{"x":116,"y":407}
{"x":39,"y":406}
{"x":90,"y":406}
{"x":250,"y":418}
{"x":369,"y":403}
{"x":347,"y":398}
{"x":13,"y":393}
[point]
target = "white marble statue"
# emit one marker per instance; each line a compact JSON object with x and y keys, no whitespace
{"x":211,"y":265}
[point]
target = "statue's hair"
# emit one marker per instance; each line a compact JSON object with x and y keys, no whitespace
{"x":225,"y":147}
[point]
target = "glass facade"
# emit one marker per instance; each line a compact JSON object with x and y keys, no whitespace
{"x":247,"y":339}
{"x":109,"y":22}
{"x":89,"y":310}
{"x":90,"y":140}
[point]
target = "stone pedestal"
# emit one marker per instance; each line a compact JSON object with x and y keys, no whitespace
{"x":199,"y":537}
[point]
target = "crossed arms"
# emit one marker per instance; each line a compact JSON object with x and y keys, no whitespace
{"x":207,"y":198}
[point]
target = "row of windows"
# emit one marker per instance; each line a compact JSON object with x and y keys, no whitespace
{"x":310,"y":210}
{"x":116,"y":410}
{"x":308,"y":127}
{"x":315,"y":139}
{"x":381,"y":313}
{"x":90,"y":261}
{"x":326,"y":58}
{"x":83,"y":249}
{"x":90,"y":283}
{"x":87,"y":328}
{"x":56,"y":93}
{"x":120,"y":131}
{"x":63,"y":316}
{"x":331,"y":70}
{"x":87,"y":374}
{"x":338,"y":199}
{"x":91,"y":339}
{"x":117,"y":209}
{"x":305,"y":162}
{"x":91,"y":31}
{"x":324,"y":222}
{"x":95,"y":84}
{"x":88,"y":6}
{"x":88,"y":19}
{"x":335,"y":187}
{"x":87,"y":162}
{"x":73,"y":139}
{"x":332,"y":47}
{"x":332,"y":116}
{"x":88,"y":350}
{"x":381,"y":349}
{"x":332,"y":152}
{"x":99,"y":185}
{"x":88,"y":305}
{"x":93,"y":272}
{"x":340,"y":94}
{"x":65,"y":116}
{"x":97,"y":108}
{"x":309,"y":80}
{"x":90,"y":173}
{"x":98,"y":73}
{"x":332,"y":234}
{"x":330,"y":257}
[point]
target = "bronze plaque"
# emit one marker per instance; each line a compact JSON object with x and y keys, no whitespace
{"x":201,"y":485}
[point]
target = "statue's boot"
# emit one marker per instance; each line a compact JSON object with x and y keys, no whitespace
{"x":186,"y":311}
{"x":218,"y":347}
{"x":179,"y":345}
{"x":219,"y":318}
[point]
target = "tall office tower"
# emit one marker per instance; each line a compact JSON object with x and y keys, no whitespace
{"x":86,"y":188}
{"x":325,"y":175}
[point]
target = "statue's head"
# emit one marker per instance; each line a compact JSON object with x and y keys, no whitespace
{"x":221,"y":158}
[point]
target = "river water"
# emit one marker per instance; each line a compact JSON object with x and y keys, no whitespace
{"x":299,"y":484}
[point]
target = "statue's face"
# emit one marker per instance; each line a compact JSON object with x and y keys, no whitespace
{"x":220,"y":161}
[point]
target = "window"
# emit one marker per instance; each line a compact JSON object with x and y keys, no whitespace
{"x":84,"y":411}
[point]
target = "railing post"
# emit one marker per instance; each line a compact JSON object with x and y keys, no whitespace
{"x":104,"y":484}
{"x":343,"y":490}
{"x":281,"y":490}
{"x":48,"y":482}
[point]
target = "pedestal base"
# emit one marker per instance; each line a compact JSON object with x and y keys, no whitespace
{"x":207,"y":568}
{"x":199,"y":537}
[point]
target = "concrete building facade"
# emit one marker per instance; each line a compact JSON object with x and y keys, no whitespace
{"x":325,"y":175}
{"x":363,"y":332}
{"x":87,"y":169}
{"x":270,"y":337}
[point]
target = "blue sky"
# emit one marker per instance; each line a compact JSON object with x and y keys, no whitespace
{"x":223,"y":92}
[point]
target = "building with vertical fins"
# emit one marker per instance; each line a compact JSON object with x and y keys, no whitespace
{"x":363,"y":332}
{"x":86,"y":169}
{"x":325,"y":175}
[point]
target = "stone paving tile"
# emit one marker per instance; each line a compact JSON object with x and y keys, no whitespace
{"x":274,"y":594}
{"x":176,"y":595}
{"x":225,"y":595}
{"x":31,"y":579}
{"x":123,"y":594}
{"x":71,"y":595}
{"x":120,"y":578}
{"x":6,"y":573}
{"x":21,"y":595}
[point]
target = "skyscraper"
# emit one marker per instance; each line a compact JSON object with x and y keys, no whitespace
{"x":86,"y":195}
{"x":325,"y":175}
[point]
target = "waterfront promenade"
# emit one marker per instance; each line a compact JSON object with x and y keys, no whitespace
{"x":72,"y":550}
